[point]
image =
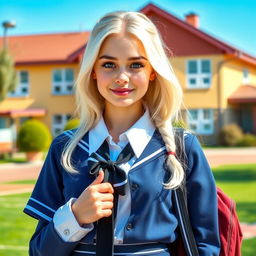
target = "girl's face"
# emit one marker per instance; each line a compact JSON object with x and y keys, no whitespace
{"x":122,"y":72}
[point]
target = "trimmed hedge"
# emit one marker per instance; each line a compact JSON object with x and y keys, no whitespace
{"x":33,"y":136}
{"x":248,"y":140}
{"x":230,"y":135}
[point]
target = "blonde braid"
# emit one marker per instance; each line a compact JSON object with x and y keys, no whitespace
{"x":174,"y":166}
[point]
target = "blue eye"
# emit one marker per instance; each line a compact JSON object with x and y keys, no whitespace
{"x":136,"y":65}
{"x":109,"y":65}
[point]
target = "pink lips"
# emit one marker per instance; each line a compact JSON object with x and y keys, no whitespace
{"x":121,"y":91}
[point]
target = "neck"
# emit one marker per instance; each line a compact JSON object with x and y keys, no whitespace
{"x":119,"y":120}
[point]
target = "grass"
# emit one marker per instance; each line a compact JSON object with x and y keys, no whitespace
{"x":248,"y":247}
{"x":21,"y":182}
{"x":16,"y":228}
{"x":237,"y":181}
{"x":12,"y":160}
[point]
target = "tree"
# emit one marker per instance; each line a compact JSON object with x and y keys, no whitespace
{"x":8,"y":76}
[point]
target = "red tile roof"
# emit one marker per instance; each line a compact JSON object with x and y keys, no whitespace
{"x":159,"y":14}
{"x":244,"y":94}
{"x":46,"y":48}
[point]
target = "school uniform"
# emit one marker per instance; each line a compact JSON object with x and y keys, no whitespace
{"x":145,"y":221}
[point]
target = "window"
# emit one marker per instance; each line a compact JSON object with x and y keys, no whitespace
{"x":198,"y":74}
{"x":246,"y":78}
{"x":24,"y":119}
{"x":201,"y":121}
{"x":63,"y":80}
{"x":59,"y":122}
{"x":3,"y":122}
{"x":22,"y":88}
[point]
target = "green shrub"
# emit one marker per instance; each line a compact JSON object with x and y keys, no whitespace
{"x":230,"y":135}
{"x":33,"y":136}
{"x":248,"y":140}
{"x":71,"y":124}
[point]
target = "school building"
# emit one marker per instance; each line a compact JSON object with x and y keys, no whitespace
{"x":218,"y":80}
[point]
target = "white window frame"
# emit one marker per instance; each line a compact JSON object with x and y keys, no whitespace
{"x":21,"y":86}
{"x":246,"y":76}
{"x":199,"y":76}
{"x":59,"y":126}
{"x":198,"y":124}
{"x":63,"y":85}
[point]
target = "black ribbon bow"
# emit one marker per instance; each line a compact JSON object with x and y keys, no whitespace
{"x":112,"y":172}
{"x":118,"y":178}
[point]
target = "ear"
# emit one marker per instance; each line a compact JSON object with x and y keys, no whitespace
{"x":152,"y":76}
{"x":93,"y":75}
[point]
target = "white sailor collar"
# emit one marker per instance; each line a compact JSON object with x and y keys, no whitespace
{"x":138,"y":135}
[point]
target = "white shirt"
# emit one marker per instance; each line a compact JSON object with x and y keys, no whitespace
{"x":138,"y":136}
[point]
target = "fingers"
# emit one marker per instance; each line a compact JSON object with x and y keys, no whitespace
{"x":102,"y":209}
{"x":106,"y":213}
{"x":99,"y":178}
{"x":95,"y":202}
{"x":105,"y":188}
{"x":101,"y":187}
{"x":107,"y":197}
{"x":106,"y":205}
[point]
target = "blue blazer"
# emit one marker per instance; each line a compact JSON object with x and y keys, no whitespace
{"x":152,"y":217}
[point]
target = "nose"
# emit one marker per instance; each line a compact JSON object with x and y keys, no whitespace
{"x":122,"y":79}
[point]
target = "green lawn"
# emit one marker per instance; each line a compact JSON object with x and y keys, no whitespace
{"x":12,"y":160}
{"x":21,"y":182}
{"x":16,"y":228}
{"x":248,"y":247}
{"x":239,"y":182}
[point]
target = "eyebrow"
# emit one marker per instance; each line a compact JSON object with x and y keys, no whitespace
{"x":114,"y":58}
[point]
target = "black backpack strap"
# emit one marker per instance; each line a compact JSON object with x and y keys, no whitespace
{"x":180,"y":146}
{"x":180,"y":201}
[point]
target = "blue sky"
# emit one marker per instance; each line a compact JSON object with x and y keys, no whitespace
{"x":233,"y":21}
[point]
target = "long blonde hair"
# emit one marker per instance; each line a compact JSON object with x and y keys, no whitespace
{"x":163,"y":98}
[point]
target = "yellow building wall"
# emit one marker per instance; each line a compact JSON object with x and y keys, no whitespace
{"x":232,"y":78}
{"x":40,"y":87}
{"x":40,"y":93}
{"x":198,"y":98}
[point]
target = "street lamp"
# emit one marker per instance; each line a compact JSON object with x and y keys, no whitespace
{"x":6,"y":25}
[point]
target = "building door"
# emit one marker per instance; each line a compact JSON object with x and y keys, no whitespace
{"x":254,"y":118}
{"x":247,"y":118}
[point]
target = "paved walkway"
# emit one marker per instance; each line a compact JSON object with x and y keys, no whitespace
{"x":19,"y":171}
{"x":216,"y":157}
{"x":15,"y":172}
{"x":9,"y":189}
{"x":224,"y":156}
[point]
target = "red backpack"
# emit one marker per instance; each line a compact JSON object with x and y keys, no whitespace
{"x":229,"y":226}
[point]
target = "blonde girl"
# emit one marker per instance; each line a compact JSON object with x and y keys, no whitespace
{"x":127,"y":96}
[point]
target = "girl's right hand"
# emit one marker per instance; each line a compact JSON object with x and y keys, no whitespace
{"x":95,"y":202}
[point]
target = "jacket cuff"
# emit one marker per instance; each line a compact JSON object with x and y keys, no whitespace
{"x":67,"y":226}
